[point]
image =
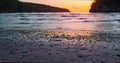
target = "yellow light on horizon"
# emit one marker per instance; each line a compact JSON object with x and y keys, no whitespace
{"x":81,"y":6}
{"x":72,"y":5}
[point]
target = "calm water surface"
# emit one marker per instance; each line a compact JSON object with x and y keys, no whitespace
{"x":74,"y":21}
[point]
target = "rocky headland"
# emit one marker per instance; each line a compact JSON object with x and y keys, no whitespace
{"x":18,"y":6}
{"x":105,"y":6}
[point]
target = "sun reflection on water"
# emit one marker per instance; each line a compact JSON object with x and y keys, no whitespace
{"x":68,"y":36}
{"x":73,"y":33}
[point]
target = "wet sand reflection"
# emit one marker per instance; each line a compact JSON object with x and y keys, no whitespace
{"x":68,"y":46}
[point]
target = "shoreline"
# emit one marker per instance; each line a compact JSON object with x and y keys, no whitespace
{"x":59,"y":46}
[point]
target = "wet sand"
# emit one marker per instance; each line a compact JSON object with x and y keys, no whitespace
{"x":59,"y":46}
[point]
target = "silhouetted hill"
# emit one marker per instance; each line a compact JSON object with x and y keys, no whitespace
{"x":17,"y":6}
{"x":105,"y":6}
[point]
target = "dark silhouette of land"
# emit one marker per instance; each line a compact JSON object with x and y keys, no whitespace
{"x":105,"y":6}
{"x":17,"y":6}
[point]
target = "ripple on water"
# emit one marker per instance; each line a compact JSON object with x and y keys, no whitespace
{"x":23,"y":23}
{"x":25,"y":19}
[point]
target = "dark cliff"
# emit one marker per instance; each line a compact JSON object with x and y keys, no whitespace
{"x":17,"y":6}
{"x":105,"y":6}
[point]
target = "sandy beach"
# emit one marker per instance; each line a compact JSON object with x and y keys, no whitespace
{"x":59,"y":46}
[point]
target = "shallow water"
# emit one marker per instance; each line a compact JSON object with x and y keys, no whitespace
{"x":60,"y":37}
{"x":74,"y":21}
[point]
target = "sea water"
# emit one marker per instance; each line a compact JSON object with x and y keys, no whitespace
{"x":68,"y":20}
{"x":60,"y":37}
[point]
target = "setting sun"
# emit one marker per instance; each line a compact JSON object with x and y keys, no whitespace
{"x":72,"y":5}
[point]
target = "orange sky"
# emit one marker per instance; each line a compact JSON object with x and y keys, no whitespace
{"x":72,"y":5}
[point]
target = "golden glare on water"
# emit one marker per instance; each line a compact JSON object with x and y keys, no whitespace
{"x":70,"y":36}
{"x":75,"y":33}
{"x":71,"y":33}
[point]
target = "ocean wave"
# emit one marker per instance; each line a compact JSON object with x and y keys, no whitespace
{"x":114,"y":20}
{"x":23,"y":23}
{"x":25,"y":19}
{"x":46,"y":19}
{"x":78,"y":21}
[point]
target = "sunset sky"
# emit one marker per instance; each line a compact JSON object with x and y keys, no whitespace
{"x":72,"y":5}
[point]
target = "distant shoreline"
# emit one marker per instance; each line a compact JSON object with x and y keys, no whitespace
{"x":14,"y":6}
